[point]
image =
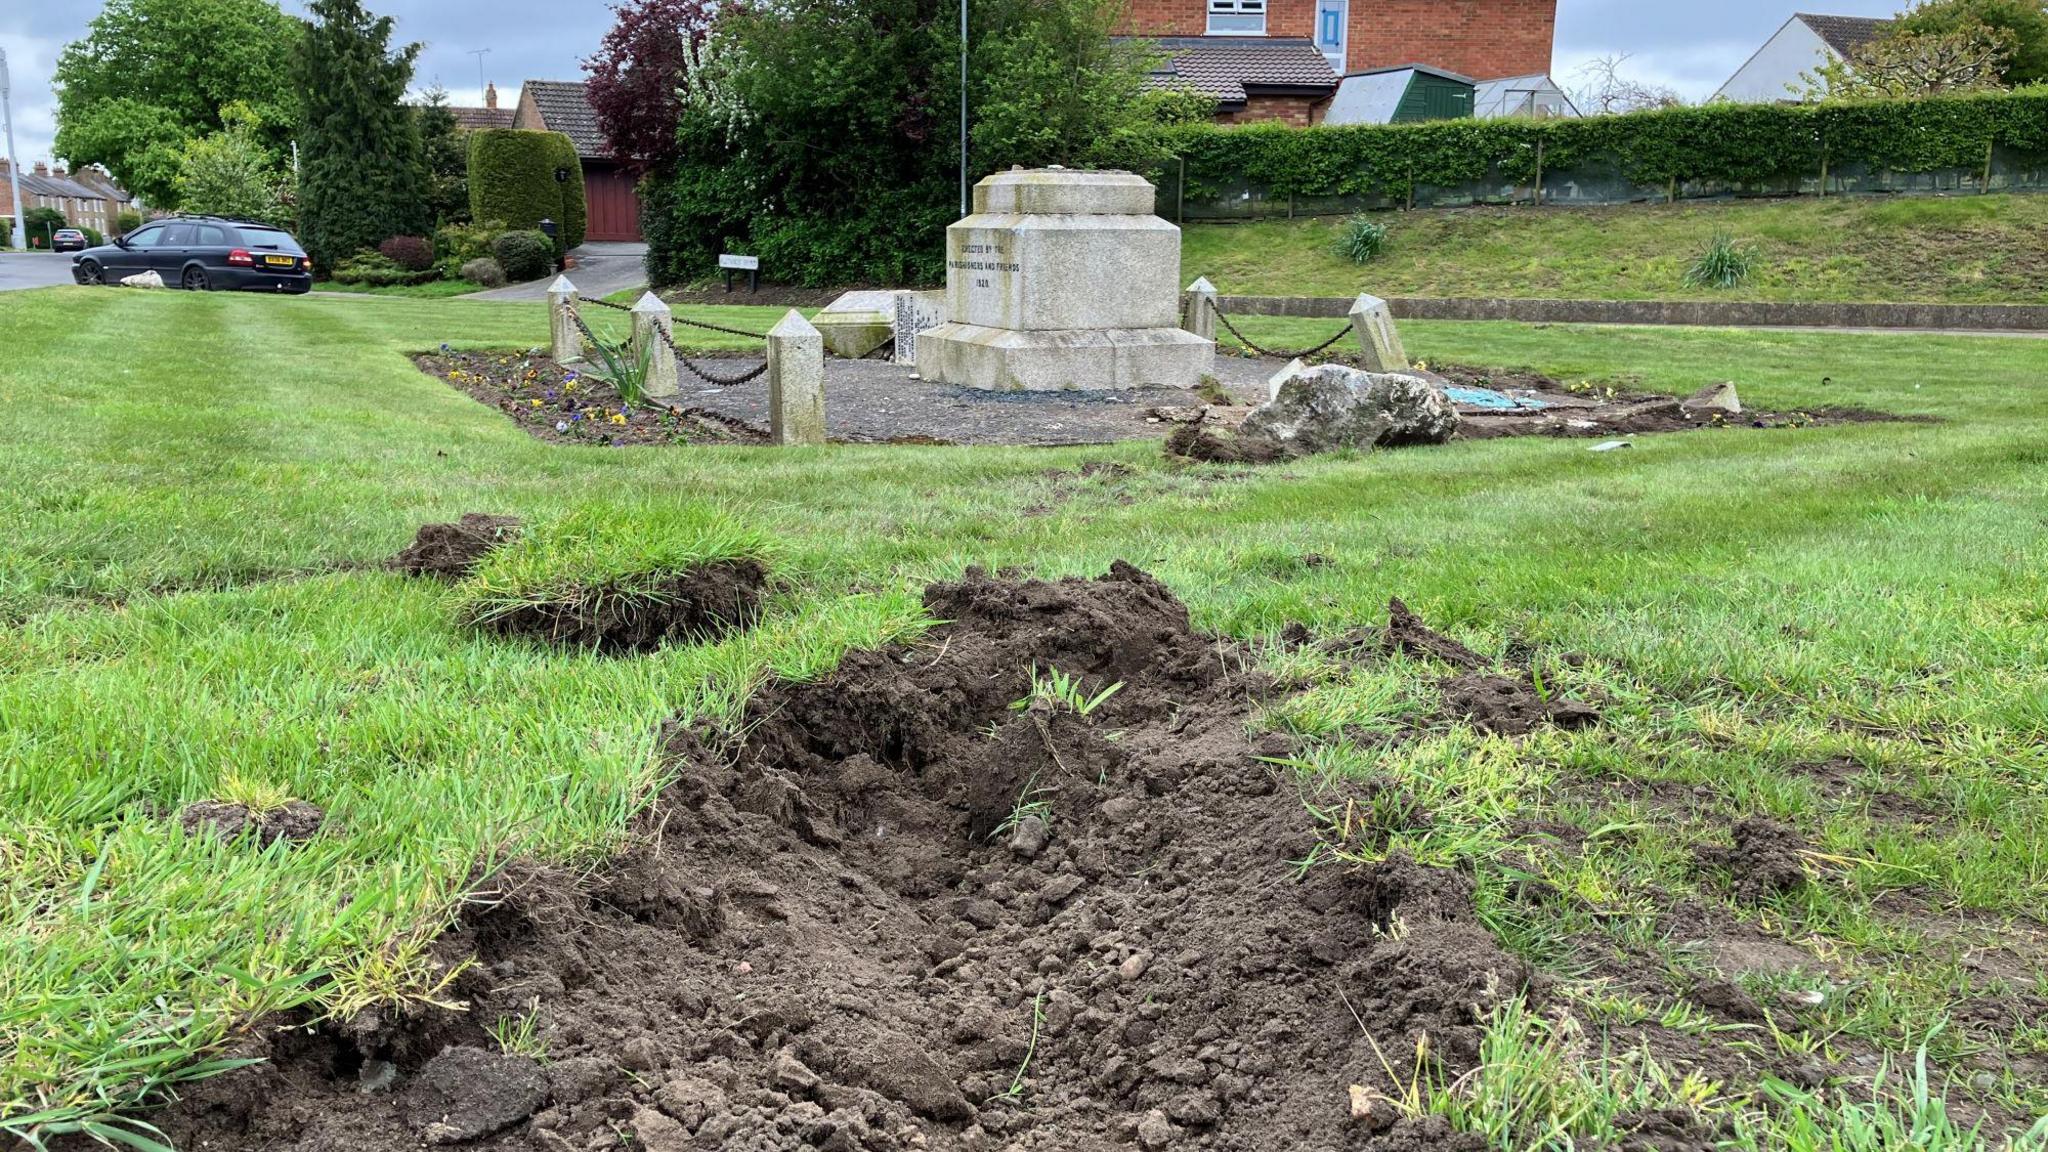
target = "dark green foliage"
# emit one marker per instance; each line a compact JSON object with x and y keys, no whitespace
{"x":2027,"y":20}
{"x":92,"y":236}
{"x":1362,"y":239}
{"x":377,"y":270}
{"x":361,"y":175}
{"x":512,"y":179}
{"x":411,"y":253}
{"x":152,"y":74}
{"x":446,"y":156}
{"x":39,"y":222}
{"x":523,"y":255}
{"x":820,"y":134}
{"x":1724,"y":264}
{"x":1730,"y":143}
{"x":127,"y":221}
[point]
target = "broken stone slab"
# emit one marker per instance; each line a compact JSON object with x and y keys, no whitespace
{"x":143,"y":280}
{"x":1379,"y":342}
{"x":1333,"y":407}
{"x":857,"y":323}
{"x":1295,"y":367}
{"x":1714,"y":398}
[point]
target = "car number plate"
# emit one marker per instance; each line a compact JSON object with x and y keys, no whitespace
{"x":280,"y":261}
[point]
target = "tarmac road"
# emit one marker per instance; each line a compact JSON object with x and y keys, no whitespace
{"x":20,"y":270}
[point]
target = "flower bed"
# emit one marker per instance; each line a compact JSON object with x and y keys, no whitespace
{"x":565,"y":406}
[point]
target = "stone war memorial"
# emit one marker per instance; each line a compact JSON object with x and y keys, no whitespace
{"x":1063,"y":279}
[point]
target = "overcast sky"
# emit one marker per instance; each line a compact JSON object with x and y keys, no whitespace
{"x":1690,"y":47}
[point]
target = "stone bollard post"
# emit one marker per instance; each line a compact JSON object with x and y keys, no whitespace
{"x":651,"y":313}
{"x":1378,"y":340}
{"x":796,"y":382}
{"x":1201,"y":317}
{"x":561,"y":302}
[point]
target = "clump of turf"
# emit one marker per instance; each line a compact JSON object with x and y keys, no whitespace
{"x":450,"y":551}
{"x":622,"y":580}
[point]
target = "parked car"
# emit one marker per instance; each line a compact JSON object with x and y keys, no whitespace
{"x":202,"y":253}
{"x":67,"y":240}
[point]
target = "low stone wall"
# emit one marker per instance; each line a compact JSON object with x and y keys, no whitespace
{"x":1705,"y":313}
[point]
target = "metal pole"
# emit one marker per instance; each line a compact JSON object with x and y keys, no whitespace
{"x":479,"y":53}
{"x":963,"y":107}
{"x":20,"y":234}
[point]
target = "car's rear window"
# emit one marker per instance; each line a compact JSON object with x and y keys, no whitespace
{"x":272,"y":238}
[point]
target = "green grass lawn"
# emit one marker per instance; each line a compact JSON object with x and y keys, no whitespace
{"x":1958,"y":250}
{"x":431,"y":290}
{"x":196,"y":491}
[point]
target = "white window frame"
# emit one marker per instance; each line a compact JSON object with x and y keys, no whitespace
{"x":1237,"y":17}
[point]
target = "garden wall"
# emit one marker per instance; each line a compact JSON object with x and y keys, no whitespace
{"x":1984,"y":143}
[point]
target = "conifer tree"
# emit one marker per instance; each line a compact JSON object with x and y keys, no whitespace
{"x":361,"y":175}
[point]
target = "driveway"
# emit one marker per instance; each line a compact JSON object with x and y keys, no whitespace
{"x":601,"y":269}
{"x":34,"y":270}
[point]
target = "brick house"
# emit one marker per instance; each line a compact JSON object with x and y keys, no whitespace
{"x":88,"y":198}
{"x":609,"y":191}
{"x":1254,"y":56}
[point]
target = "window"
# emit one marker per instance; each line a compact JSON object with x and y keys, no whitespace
{"x":210,"y":237}
{"x":148,"y":238}
{"x":1237,"y":17}
{"x":176,"y":236}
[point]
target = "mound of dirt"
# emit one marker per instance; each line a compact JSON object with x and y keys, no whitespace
{"x":897,"y":912}
{"x":1511,"y":705}
{"x":295,"y":821}
{"x":698,"y":606}
{"x":1193,"y":442}
{"x":1764,"y":862}
{"x":451,"y":551}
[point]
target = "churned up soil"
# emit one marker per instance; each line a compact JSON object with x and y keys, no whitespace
{"x":928,"y":902}
{"x":700,"y":605}
{"x":451,"y":551}
{"x":295,"y":821}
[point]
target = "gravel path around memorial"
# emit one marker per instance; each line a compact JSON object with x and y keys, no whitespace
{"x":874,"y":401}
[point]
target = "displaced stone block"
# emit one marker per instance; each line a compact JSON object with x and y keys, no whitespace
{"x":858,"y":323}
{"x":1333,"y":407}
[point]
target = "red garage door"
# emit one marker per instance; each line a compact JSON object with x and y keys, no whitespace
{"x":614,"y":209}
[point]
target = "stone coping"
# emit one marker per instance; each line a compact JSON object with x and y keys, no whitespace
{"x":1701,"y":313}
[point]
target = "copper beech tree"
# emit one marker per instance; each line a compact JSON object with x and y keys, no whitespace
{"x":637,"y":73}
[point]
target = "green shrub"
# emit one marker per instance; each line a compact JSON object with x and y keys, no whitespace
{"x":524,"y":255}
{"x":1724,"y":264}
{"x":41,"y":224}
{"x":458,"y":244}
{"x":485,"y":271}
{"x":127,"y":221}
{"x":93,"y":238}
{"x":1361,"y":239}
{"x":512,"y":178}
{"x":374,"y":269}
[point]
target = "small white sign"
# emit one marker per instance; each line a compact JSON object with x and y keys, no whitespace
{"x":739,"y":263}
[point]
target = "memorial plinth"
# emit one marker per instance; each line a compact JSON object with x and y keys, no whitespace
{"x":1063,"y":280}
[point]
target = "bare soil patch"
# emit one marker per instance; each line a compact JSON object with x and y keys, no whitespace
{"x":295,"y":821}
{"x":893,"y":911}
{"x":450,"y":551}
{"x":564,"y":406}
{"x":700,"y":605}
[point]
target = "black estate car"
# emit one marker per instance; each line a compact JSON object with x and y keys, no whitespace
{"x":202,"y":253}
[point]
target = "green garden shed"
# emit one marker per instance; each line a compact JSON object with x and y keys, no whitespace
{"x":1409,"y":94}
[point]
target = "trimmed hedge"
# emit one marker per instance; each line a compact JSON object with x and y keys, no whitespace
{"x":512,"y":179}
{"x":1732,"y":143}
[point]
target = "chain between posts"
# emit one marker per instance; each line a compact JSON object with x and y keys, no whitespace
{"x":576,"y":318}
{"x":1241,"y":339}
